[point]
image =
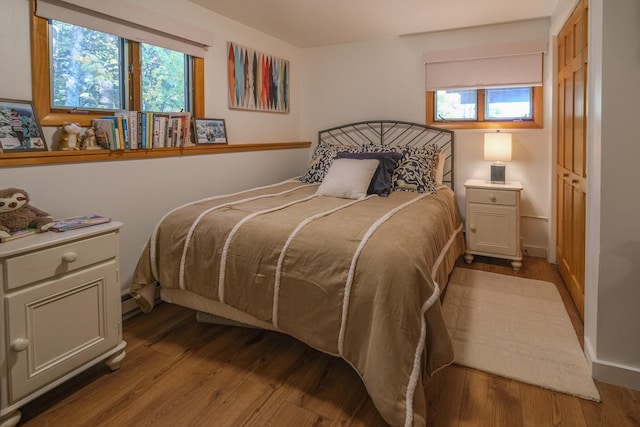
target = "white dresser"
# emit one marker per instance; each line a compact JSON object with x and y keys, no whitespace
{"x":493,"y":220}
{"x":60,"y":310}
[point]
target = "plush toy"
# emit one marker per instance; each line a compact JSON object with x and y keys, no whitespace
{"x":89,"y":140}
{"x":70,"y":136}
{"x":17,"y":214}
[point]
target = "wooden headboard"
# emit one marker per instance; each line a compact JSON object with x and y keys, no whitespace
{"x":393,"y":133}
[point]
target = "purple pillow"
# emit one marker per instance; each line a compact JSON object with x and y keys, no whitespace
{"x":381,"y":181}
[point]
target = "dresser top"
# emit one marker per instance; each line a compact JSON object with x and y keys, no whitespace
{"x":52,"y":238}
{"x":485,"y":183}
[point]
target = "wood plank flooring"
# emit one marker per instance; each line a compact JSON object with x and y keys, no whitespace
{"x":181,"y":373}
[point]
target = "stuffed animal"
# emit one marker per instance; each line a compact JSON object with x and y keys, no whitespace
{"x":17,"y":214}
{"x":70,"y":136}
{"x":89,"y":140}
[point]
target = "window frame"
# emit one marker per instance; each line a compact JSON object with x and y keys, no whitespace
{"x":41,"y":85}
{"x":481,"y":123}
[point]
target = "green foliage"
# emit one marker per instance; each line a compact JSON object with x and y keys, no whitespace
{"x":163,"y":79}
{"x":88,"y":68}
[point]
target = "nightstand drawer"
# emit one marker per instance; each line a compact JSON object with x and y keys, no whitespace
{"x":495,"y":197}
{"x":29,"y":268}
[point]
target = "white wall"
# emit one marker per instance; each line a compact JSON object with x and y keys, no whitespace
{"x":139,"y":192}
{"x":612,"y":271}
{"x":613,"y":207}
{"x":385,"y":79}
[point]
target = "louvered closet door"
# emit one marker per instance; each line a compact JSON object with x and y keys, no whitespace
{"x":572,"y":160}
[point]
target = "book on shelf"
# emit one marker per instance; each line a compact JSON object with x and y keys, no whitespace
{"x":72,"y":223}
{"x":123,"y":124}
{"x":119,"y":141}
{"x":19,"y":234}
{"x":105,"y":132}
{"x":130,"y":122}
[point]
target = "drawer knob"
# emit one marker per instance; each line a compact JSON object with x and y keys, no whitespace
{"x":69,"y":256}
{"x":20,"y":344}
{"x":472,"y":227}
{"x":492,"y":197}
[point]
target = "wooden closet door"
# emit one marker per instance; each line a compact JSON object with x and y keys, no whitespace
{"x":572,"y":161}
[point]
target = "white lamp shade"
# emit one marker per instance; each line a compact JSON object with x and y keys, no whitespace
{"x":497,"y":146}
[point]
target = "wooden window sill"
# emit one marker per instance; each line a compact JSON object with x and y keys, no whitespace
{"x":82,"y":156}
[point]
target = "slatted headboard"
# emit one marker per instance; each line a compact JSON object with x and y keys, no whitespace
{"x":393,"y":133}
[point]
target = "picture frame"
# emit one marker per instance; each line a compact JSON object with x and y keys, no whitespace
{"x":209,"y":131}
{"x":256,"y":80}
{"x":19,"y":127}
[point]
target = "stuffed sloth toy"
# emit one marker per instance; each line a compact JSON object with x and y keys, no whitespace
{"x":17,"y":214}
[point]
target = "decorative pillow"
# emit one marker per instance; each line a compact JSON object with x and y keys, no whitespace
{"x":441,"y":159}
{"x":416,"y":169}
{"x":348,"y":178}
{"x":321,"y":160}
{"x":381,"y":182}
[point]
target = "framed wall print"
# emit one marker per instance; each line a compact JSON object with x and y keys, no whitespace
{"x":257,"y":81}
{"x":209,"y":131}
{"x":19,"y":127}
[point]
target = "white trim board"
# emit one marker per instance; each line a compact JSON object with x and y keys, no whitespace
{"x":611,"y":372}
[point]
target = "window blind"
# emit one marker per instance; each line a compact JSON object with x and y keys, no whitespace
{"x":123,"y":19}
{"x":509,"y":65}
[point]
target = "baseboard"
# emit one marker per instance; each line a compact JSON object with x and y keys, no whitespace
{"x":130,"y":307}
{"x":611,"y":372}
{"x":536,"y":251}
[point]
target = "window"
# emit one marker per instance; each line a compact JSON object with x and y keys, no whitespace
{"x":87,"y":68}
{"x":509,"y":104}
{"x":79,"y":70}
{"x":165,"y":77}
{"x":487,"y":86}
{"x":519,"y":107}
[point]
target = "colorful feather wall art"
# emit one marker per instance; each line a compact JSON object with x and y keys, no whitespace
{"x":257,"y":81}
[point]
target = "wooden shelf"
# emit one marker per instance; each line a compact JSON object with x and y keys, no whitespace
{"x":83,"y":156}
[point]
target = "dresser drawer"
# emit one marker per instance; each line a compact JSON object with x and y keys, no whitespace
{"x":494,"y":197}
{"x":40,"y":265}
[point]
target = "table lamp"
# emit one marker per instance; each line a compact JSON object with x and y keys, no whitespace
{"x":497,"y":148}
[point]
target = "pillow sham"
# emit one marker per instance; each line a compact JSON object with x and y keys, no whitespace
{"x":321,"y":160}
{"x":441,"y":159}
{"x":415,"y":170}
{"x":348,"y":178}
{"x":381,"y":182}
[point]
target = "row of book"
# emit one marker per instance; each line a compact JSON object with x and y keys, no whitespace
{"x":132,"y":130}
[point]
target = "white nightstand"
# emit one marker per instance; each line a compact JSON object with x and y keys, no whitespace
{"x":493,"y":220}
{"x":60,"y":311}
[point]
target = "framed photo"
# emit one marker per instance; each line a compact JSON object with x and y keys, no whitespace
{"x":209,"y":131}
{"x":19,"y":127}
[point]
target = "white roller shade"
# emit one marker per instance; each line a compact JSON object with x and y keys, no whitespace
{"x":129,"y":21}
{"x":512,"y":65}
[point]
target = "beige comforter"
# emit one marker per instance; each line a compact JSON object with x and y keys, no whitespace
{"x":353,"y":278}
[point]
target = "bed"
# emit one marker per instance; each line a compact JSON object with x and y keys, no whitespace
{"x":355,"y":274}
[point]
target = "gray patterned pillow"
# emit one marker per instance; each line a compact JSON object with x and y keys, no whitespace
{"x":322,"y":159}
{"x":416,"y":169}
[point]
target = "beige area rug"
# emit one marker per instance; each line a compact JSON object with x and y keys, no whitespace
{"x":516,"y":328}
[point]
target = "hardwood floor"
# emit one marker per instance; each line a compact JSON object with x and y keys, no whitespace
{"x":181,"y":373}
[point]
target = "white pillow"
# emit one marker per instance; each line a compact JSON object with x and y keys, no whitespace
{"x":348,"y":178}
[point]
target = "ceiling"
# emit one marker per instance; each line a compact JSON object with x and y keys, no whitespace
{"x":310,"y":23}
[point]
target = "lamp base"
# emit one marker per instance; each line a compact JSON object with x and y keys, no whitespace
{"x":497,"y":173}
